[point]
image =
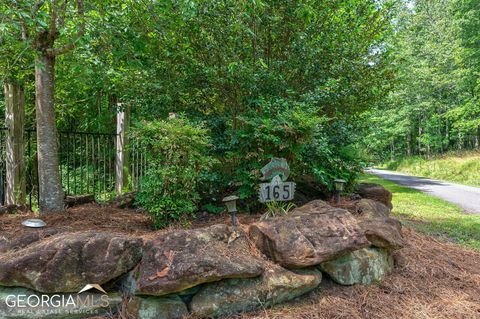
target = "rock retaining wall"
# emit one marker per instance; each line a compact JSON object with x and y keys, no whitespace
{"x":205,"y":272}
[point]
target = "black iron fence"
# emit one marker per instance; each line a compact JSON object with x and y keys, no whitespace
{"x":138,"y":163}
{"x":86,"y":163}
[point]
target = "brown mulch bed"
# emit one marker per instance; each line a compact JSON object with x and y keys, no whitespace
{"x":85,"y":217}
{"x":105,"y":218}
{"x":432,"y":278}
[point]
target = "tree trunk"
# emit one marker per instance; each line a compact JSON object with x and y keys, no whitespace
{"x":50,"y":187}
{"x":447,"y":133}
{"x":15,"y":166}
{"x":477,"y":138}
{"x":122,"y":158}
{"x":419,"y":142}
{"x":409,"y":144}
{"x":392,"y":150}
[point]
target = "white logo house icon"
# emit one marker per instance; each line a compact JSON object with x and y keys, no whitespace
{"x":92,"y":286}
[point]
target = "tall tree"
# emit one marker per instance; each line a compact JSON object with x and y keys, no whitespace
{"x":434,"y":107}
{"x":15,"y":73}
{"x":51,"y":28}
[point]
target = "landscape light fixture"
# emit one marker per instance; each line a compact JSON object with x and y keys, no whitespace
{"x":339,"y":185}
{"x":231,"y":203}
{"x":34,"y":223}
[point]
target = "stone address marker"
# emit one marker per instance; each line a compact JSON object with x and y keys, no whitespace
{"x":278,"y":189}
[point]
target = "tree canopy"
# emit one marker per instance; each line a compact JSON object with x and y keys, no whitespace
{"x":434,"y":106}
{"x":322,"y":83}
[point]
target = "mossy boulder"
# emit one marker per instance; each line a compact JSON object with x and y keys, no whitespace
{"x":231,"y":296}
{"x":23,"y":303}
{"x":364,"y":266}
{"x":369,"y":208}
{"x":168,"y":307}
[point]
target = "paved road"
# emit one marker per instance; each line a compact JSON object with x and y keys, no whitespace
{"x":467,"y":197}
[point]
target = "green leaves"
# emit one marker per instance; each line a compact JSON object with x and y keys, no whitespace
{"x":177,"y":155}
{"x":434,"y":106}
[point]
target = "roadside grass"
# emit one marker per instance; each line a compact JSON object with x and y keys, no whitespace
{"x":431,"y":215}
{"x":463,"y":168}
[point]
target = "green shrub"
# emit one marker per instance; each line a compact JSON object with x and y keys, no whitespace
{"x":332,"y":154}
{"x":177,"y":158}
{"x":296,"y":131}
{"x":275,"y":128}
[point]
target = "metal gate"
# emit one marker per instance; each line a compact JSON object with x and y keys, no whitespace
{"x":86,"y":164}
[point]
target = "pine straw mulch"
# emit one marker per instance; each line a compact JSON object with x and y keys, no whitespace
{"x":80,"y":218}
{"x":97,"y":217}
{"x":432,"y":279}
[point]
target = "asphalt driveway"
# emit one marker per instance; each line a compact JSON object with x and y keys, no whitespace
{"x":467,"y":197}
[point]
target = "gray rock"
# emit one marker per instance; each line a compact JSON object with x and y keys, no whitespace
{"x":168,"y":307}
{"x":22,"y":303}
{"x":231,"y":296}
{"x":364,"y":266}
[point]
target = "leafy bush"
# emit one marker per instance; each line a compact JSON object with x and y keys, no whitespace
{"x":332,"y":154}
{"x":274,"y":128}
{"x":277,"y":209}
{"x":177,"y":155}
{"x":278,"y":127}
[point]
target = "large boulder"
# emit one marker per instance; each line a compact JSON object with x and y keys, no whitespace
{"x":315,"y":206}
{"x":19,"y":241}
{"x":230,"y":296}
{"x":369,"y":208}
{"x":149,"y":307}
{"x":383,"y":232}
{"x":181,"y":259}
{"x":364,"y":266}
{"x":308,"y":239}
{"x":22,"y":303}
{"x":376,"y":192}
{"x":68,"y":262}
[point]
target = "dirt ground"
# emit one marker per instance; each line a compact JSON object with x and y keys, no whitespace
{"x":432,"y":278}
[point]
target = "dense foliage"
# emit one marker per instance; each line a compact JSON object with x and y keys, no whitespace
{"x":434,"y":106}
{"x":264,"y":78}
{"x":177,"y":160}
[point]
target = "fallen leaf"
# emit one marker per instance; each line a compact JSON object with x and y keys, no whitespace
{"x":160,"y":274}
